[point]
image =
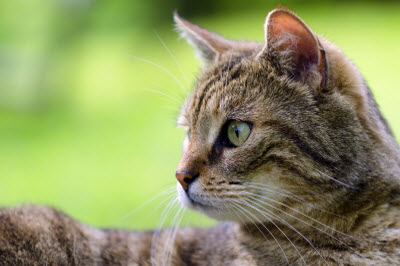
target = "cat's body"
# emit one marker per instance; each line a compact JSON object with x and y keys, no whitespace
{"x":310,"y":174}
{"x":33,"y":235}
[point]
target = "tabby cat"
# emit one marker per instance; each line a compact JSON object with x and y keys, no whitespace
{"x":285,"y":143}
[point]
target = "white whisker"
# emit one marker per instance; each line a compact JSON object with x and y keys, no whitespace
{"x":164,"y":215}
{"x":293,"y":197}
{"x":284,"y":190}
{"x":162,"y":68}
{"x":163,"y":94}
{"x":170,"y":91}
{"x":289,"y":225}
{"x":305,"y":215}
{"x":258,"y":221}
{"x":169,"y":198}
{"x":172,"y":231}
{"x":248,"y":229}
{"x":167,"y":239}
{"x":269,"y":219}
{"x":173,"y":58}
{"x":337,"y":181}
{"x":301,"y":220}
{"x":162,"y":193}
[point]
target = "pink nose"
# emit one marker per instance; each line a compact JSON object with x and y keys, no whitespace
{"x":185,"y":178}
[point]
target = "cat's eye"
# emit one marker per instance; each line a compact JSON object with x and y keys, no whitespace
{"x":238,"y":132}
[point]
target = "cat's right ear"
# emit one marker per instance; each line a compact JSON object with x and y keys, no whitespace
{"x":208,"y":45}
{"x":296,"y":45}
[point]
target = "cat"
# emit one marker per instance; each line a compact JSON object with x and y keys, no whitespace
{"x":285,"y":146}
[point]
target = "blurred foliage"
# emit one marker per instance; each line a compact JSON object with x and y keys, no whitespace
{"x":88,"y":96}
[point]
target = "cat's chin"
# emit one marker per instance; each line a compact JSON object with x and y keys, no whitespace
{"x":211,"y":211}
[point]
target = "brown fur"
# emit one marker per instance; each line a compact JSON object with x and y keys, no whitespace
{"x":317,"y":181}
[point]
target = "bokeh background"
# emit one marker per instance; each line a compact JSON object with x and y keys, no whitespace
{"x":89,"y":93}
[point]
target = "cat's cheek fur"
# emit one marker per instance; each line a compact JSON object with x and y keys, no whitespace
{"x":185,"y":144}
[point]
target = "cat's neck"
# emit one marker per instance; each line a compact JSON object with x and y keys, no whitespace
{"x":381,"y":230}
{"x":343,"y":73}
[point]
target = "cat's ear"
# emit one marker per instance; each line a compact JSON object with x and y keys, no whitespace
{"x":208,"y":45}
{"x":289,"y":37}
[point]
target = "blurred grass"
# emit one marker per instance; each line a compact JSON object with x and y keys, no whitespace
{"x":105,"y":143}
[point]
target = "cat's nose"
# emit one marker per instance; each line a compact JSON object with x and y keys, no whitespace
{"x":185,"y":178}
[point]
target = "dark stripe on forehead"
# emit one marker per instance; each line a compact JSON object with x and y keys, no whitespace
{"x":207,"y":88}
{"x":199,"y":99}
{"x":229,"y":78}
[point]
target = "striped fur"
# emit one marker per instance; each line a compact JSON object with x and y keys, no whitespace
{"x":317,"y":181}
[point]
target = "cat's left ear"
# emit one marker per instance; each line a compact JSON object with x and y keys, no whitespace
{"x":288,"y":37}
{"x":208,"y":45}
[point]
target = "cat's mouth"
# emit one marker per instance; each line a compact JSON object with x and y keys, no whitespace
{"x":210,"y":204}
{"x":191,"y":200}
{"x":196,"y":202}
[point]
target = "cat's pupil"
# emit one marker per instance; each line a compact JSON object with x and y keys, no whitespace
{"x":237,"y":131}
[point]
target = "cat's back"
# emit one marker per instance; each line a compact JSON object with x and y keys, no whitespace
{"x":41,"y":235}
{"x":33,"y":235}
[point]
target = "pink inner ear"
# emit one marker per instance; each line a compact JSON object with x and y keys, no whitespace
{"x":294,"y":35}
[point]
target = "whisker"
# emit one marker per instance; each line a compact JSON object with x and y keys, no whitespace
{"x":284,"y":190}
{"x":167,"y":239}
{"x":305,"y":215}
{"x":289,"y":225}
{"x":258,"y":220}
{"x":175,"y":233}
{"x":173,"y":58}
{"x":164,"y":215}
{"x":301,"y":220}
{"x":169,"y":246}
{"x":222,"y":202}
{"x":171,"y":92}
{"x":162,"y":68}
{"x":337,"y":181}
{"x":162,"y":193}
{"x":295,"y":198}
{"x":169,"y":198}
{"x":269,"y":219}
{"x":159,"y":205}
{"x":163,"y":94}
{"x":248,"y":229}
{"x":238,"y":209}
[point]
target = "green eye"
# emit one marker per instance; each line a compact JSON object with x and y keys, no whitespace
{"x":238,"y":132}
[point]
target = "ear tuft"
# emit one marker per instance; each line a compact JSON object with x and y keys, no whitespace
{"x":287,"y":35}
{"x":208,"y":45}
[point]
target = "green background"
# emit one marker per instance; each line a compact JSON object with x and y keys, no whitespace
{"x":88,"y":126}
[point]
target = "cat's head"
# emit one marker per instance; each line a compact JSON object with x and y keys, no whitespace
{"x":277,"y":127}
